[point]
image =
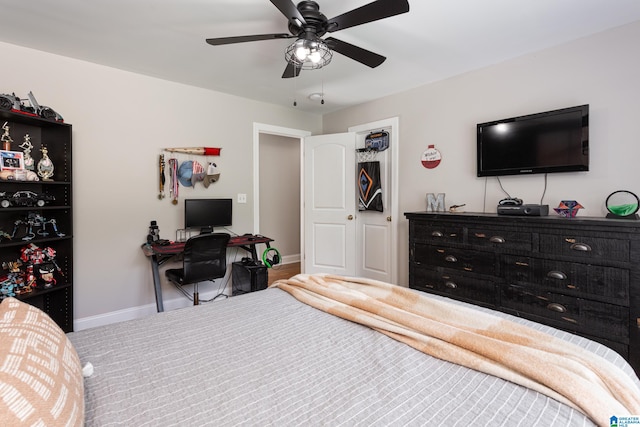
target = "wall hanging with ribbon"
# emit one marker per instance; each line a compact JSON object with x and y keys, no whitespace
{"x":187,"y":172}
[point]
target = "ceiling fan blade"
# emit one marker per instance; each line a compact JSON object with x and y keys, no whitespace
{"x":241,"y":39}
{"x":290,"y":11}
{"x":356,"y":53}
{"x":374,"y":11}
{"x":291,"y":71}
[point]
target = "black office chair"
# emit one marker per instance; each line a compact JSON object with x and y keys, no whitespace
{"x":205,"y":258}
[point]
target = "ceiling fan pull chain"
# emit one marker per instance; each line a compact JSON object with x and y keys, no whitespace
{"x":295,"y":92}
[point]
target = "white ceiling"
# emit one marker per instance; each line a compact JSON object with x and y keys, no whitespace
{"x":436,"y":39}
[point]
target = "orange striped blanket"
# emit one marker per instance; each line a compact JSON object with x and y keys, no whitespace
{"x":477,"y":340}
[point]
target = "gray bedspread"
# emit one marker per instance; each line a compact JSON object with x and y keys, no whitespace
{"x":267,"y":359}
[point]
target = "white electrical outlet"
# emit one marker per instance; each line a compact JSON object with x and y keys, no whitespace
{"x":242,"y":198}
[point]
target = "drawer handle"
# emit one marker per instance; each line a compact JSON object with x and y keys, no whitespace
{"x":557,"y":275}
{"x":450,"y":285}
{"x":450,"y":258}
{"x":558,"y":308}
{"x":437,"y":234}
{"x":496,"y":239}
{"x":582,"y":247}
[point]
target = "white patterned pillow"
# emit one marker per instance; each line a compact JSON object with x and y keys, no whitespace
{"x":40,"y":373}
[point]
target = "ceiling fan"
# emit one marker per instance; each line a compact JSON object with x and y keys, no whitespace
{"x":307,"y":25}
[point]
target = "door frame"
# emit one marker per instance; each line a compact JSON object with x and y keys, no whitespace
{"x":261,"y":128}
{"x":394,"y":137}
{"x":300,"y":134}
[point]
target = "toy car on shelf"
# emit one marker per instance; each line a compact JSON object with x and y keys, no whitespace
{"x":17,"y":105}
{"x":25,"y":198}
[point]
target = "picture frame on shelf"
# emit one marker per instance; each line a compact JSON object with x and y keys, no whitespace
{"x":11,"y":160}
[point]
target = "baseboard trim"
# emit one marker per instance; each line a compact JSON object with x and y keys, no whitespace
{"x":290,"y":259}
{"x":138,"y":312}
{"x":149,"y":309}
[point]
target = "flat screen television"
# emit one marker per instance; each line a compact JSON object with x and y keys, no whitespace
{"x":553,"y":141}
{"x":205,"y":214}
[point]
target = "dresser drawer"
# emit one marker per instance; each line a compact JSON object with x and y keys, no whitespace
{"x":500,"y":239}
{"x":608,"y":248}
{"x":436,"y":232}
{"x":592,"y":281}
{"x":457,"y":259}
{"x":576,"y":314}
{"x":457,"y":286}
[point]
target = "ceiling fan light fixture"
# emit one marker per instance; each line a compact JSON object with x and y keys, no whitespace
{"x":308,"y":54}
{"x":301,"y":52}
{"x":314,"y":57}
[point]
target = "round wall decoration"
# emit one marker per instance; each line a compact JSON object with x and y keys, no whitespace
{"x":431,"y":157}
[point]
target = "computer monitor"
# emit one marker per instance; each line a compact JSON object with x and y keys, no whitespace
{"x":206,"y":214}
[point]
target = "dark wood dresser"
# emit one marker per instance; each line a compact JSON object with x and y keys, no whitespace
{"x":580,"y":274}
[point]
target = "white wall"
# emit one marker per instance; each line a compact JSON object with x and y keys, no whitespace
{"x":121,"y":122}
{"x":600,"y":70}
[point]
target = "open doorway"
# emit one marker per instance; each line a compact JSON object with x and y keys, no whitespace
{"x":296,"y":137}
{"x":277,"y":193}
{"x":280,"y":194}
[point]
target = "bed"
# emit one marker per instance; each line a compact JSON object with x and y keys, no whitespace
{"x":266,"y":358}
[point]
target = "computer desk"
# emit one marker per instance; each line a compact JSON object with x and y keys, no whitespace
{"x":159,"y":254}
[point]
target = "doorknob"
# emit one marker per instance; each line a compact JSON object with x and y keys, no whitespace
{"x":388,"y":219}
{"x":350,"y":217}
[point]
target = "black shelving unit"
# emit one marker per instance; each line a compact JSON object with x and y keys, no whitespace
{"x":57,"y":301}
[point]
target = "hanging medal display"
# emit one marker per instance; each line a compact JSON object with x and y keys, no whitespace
{"x":162,"y":178}
{"x":173,"y":175}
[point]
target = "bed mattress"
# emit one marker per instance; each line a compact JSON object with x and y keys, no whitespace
{"x":265,"y":358}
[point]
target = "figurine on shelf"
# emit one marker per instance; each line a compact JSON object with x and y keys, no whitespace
{"x":33,"y":222}
{"x":45,"y":166}
{"x":4,"y":235}
{"x":6,"y":138}
{"x":12,"y":266}
{"x":46,"y":275}
{"x":27,"y":146}
{"x":29,"y":278}
{"x":6,"y":288}
{"x":45,"y":259}
{"x":14,"y":281}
